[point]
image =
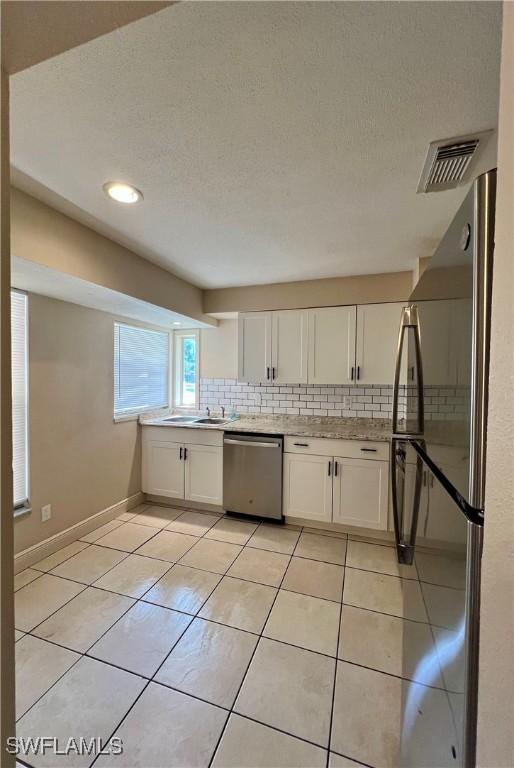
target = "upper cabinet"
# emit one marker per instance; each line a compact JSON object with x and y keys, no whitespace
{"x":377,"y":341}
{"x":332,"y":345}
{"x":289,"y":347}
{"x":272,"y":347}
{"x":329,"y":345}
{"x":436,"y":343}
{"x":254,"y":347}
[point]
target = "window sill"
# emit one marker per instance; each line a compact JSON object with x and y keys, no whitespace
{"x":21,"y":512}
{"x":134,"y":415}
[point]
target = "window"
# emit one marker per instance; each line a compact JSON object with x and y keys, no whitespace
{"x":186,"y":369}
{"x":141,"y":369}
{"x":19,"y":368}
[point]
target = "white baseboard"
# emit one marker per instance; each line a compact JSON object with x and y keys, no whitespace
{"x":37,"y":552}
{"x":150,"y":498}
{"x":368,"y":533}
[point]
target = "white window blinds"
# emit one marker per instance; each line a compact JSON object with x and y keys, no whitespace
{"x":141,"y":363}
{"x":19,"y":349}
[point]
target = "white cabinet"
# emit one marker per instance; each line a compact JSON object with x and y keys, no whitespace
{"x":203,"y":468}
{"x":439,"y":367}
{"x":327,"y":487}
{"x":272,"y":347}
{"x":183,"y":464}
{"x":329,"y":345}
{"x":441,"y":521}
{"x":289,"y":347}
{"x":377,"y":341}
{"x":361,"y":492}
{"x":254,"y":347}
{"x":163,"y":469}
{"x":332,"y":345}
{"x":307,"y":486}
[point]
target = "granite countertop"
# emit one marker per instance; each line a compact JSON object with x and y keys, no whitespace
{"x":300,"y":426}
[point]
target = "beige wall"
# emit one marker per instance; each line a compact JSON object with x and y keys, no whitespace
{"x":218,"y":351}
{"x":362,"y":289}
{"x":36,"y":30}
{"x":496,"y":691}
{"x":80,"y":461}
{"x":43,"y":235}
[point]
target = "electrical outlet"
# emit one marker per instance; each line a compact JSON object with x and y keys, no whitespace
{"x":347,"y":402}
{"x":46,"y":513}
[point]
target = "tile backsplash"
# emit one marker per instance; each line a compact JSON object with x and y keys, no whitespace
{"x":298,"y":399}
{"x":371,"y":401}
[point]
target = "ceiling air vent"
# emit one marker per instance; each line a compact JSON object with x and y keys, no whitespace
{"x":450,"y":161}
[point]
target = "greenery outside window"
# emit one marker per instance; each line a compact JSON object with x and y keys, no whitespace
{"x":186,"y":383}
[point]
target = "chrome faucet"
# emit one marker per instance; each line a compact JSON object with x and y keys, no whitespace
{"x":222,"y":411}
{"x":208,"y":412}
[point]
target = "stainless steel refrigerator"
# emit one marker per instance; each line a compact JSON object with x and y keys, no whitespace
{"x":437,"y":480}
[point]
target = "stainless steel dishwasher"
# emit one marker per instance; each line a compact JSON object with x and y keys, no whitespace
{"x":252,"y":474}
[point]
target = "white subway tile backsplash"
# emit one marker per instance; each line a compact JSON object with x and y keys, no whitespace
{"x":301,"y":399}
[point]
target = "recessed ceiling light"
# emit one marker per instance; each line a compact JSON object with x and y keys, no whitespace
{"x":176,"y":323}
{"x":122,"y":193}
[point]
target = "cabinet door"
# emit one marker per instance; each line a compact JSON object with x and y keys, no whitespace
{"x":163,"y":469}
{"x":204,"y":474}
{"x":289,"y":346}
{"x":361,"y":493}
{"x":409,"y":491}
{"x":307,"y":486}
{"x":254,"y":347}
{"x":443,"y":523}
{"x":435,"y":324}
{"x":377,"y":342}
{"x":331,"y":345}
{"x":462,"y":339}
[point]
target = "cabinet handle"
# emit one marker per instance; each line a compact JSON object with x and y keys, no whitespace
{"x":267,"y":373}
{"x":358,"y":372}
{"x":185,"y":454}
{"x":369,"y":450}
{"x":335,"y":468}
{"x":353,"y":372}
{"x":302,"y":445}
{"x":329,"y":467}
{"x":180,"y":454}
{"x":273,"y":373}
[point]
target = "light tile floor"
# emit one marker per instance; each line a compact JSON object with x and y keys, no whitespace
{"x":201,"y":640}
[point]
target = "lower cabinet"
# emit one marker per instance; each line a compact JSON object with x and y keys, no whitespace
{"x":307,"y":486}
{"x":337,"y":489}
{"x":183,"y":471}
{"x":361,"y":488}
{"x":163,"y":469}
{"x":204,"y":474}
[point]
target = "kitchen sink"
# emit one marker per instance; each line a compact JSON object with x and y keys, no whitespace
{"x":181,"y":419}
{"x":211,"y":421}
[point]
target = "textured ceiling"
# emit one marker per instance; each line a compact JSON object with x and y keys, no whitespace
{"x":272,"y":141}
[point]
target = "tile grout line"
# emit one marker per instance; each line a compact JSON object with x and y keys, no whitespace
{"x":331,"y":724}
{"x":253,"y":653}
{"x":152,"y":679}
{"x":163,"y":661}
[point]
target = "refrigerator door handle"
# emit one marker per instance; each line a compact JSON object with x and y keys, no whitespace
{"x":405,"y":539}
{"x":409,"y":319}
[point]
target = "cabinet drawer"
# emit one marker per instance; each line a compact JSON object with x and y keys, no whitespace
{"x":190,"y":436}
{"x":325,"y":446}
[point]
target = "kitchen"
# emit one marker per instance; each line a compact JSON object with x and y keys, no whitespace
{"x":250,"y":386}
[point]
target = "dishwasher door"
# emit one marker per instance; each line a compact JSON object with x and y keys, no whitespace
{"x":252,"y":475}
